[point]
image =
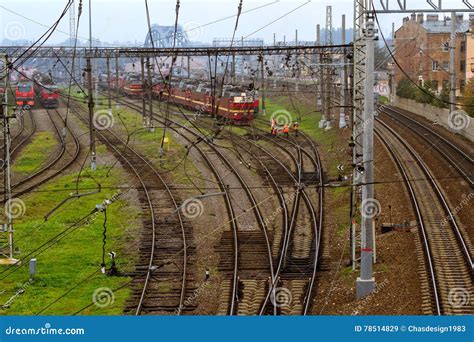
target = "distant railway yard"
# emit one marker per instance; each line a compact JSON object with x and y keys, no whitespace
{"x":237,"y":179}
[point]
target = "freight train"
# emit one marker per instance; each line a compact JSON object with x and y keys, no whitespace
{"x":237,"y":104}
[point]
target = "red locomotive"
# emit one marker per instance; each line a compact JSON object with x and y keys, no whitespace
{"x":25,"y":93}
{"x":48,"y":95}
{"x":131,"y":85}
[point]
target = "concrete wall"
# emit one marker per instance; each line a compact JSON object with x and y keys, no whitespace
{"x":438,"y":115}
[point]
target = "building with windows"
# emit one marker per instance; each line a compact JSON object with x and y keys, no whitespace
{"x":422,"y":51}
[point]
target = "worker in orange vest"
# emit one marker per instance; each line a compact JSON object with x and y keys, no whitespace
{"x":286,"y":130}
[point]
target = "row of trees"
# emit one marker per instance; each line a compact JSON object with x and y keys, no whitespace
{"x":427,"y":94}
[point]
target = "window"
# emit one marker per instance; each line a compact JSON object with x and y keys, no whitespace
{"x":462,"y":84}
{"x":24,"y":87}
{"x":434,"y":85}
{"x":434,"y":66}
{"x":463,"y":46}
{"x":446,"y":65}
{"x":463,"y":66}
{"x":445,"y":84}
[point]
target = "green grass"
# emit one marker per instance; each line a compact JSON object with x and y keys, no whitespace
{"x":34,"y":155}
{"x":71,"y":260}
{"x":383,"y":99}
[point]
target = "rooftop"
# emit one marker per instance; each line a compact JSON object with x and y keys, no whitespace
{"x":444,"y":26}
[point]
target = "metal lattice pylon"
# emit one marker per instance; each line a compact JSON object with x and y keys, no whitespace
{"x":357,"y":122}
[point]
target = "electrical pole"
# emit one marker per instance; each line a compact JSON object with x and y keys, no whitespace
{"x":233,"y":68}
{"x":344,"y":73}
{"x":328,"y":69}
{"x":297,"y":64}
{"x":108,"y":86}
{"x":320,"y":99}
{"x":149,"y":89}
{"x":91,"y":114}
{"x":7,"y":167}
{"x":189,"y":67}
{"x":365,"y":284}
{"x":452,"y":64}
{"x":144,"y":88}
{"x":262,"y":63}
{"x":117,"y":92}
{"x":90,"y":25}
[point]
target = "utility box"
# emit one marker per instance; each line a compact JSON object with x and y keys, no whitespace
{"x":32,"y":267}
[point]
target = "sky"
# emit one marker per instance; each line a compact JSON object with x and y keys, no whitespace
{"x":125,"y":20}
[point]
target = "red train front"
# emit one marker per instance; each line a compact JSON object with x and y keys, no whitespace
{"x":25,"y":94}
{"x":49,"y":96}
{"x":132,"y":85}
{"x":237,"y":105}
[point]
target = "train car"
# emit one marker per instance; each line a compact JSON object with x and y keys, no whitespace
{"x":237,"y":106}
{"x":25,"y":93}
{"x":48,"y":95}
{"x":132,"y":85}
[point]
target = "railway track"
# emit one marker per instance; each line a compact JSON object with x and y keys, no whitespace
{"x":163,"y":276}
{"x":299,"y":259}
{"x":297,"y":245}
{"x":305,"y":287}
{"x":22,"y":136}
{"x":448,"y":255}
{"x":460,"y":160}
{"x":242,"y":249}
{"x":69,"y":147}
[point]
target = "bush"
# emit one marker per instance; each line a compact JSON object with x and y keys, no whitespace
{"x":407,"y":89}
{"x":468,"y":99}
